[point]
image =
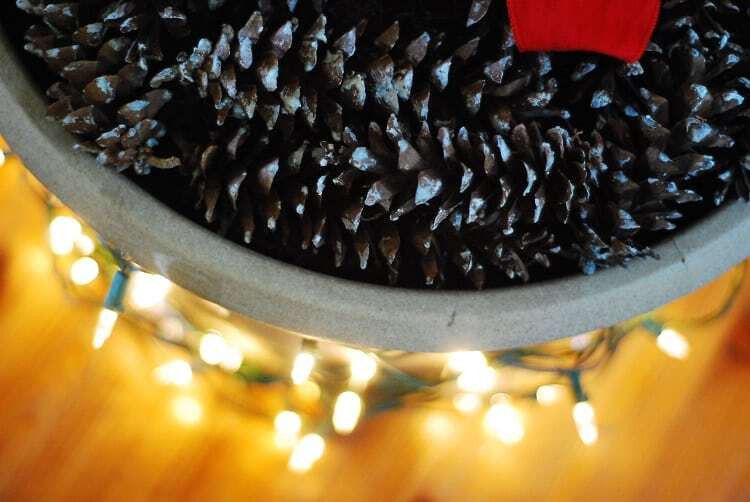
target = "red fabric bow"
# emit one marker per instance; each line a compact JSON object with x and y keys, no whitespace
{"x":619,"y":28}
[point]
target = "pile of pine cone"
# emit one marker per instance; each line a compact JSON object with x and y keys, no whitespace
{"x":407,"y":143}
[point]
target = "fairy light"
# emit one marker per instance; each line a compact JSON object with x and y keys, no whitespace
{"x":302,"y":368}
{"x":581,"y":342}
{"x":171,"y":329}
{"x":584,"y":417}
{"x":363,"y":368}
{"x":477,"y":379}
{"x":233,"y":359}
{"x":85,"y":245}
{"x":589,"y":433}
{"x":63,"y":232}
{"x":148,"y":290}
{"x":309,"y":450}
{"x":550,"y":394}
{"x":583,"y":412}
{"x":216,"y":351}
{"x":461,"y":361}
{"x":505,"y":422}
{"x":84,"y":271}
{"x":104,"y":327}
{"x":346,"y":412}
{"x":3,"y":157}
{"x":467,"y":403}
{"x":177,"y":372}
{"x":111,"y":311}
{"x":287,"y":425}
{"x":187,"y":409}
{"x":673,"y":343}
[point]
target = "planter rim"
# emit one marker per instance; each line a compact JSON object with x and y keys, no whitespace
{"x":331,"y":308}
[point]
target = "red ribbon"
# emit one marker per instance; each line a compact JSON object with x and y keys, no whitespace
{"x":618,"y":28}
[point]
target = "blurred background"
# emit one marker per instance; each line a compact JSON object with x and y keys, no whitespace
{"x":126,"y":423}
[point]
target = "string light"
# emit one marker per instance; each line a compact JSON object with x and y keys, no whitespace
{"x":148,"y":290}
{"x":177,"y":372}
{"x":187,"y":410}
{"x":216,"y":351}
{"x":363,"y":368}
{"x":84,"y":271}
{"x":171,"y":329}
{"x":581,"y":342}
{"x":287,"y":425}
{"x":467,"y":403}
{"x":63,"y":232}
{"x":233,"y":359}
{"x":346,"y":412}
{"x":505,"y":422}
{"x":673,"y":343}
{"x":308,"y":391}
{"x":550,"y":394}
{"x":2,"y":157}
{"x":583,"y":412}
{"x":111,"y":311}
{"x":104,"y":327}
{"x":584,"y":417}
{"x":309,"y":450}
{"x":302,"y":368}
{"x":589,"y":433}
{"x":477,"y":379}
{"x":85,"y":245}
{"x":211,"y":349}
{"x":461,"y":361}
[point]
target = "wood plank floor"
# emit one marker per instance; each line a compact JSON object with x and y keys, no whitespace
{"x":80,"y":426}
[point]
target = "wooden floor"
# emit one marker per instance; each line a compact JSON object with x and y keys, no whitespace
{"x":80,"y":426}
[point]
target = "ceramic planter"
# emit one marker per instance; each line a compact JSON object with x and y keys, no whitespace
{"x":326,"y":307}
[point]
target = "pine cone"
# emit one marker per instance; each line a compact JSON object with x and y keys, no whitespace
{"x":687,"y":100}
{"x":103,"y":51}
{"x":412,"y":149}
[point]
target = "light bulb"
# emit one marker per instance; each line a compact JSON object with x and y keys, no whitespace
{"x":233,"y":359}
{"x":583,"y":413}
{"x":549,"y":394}
{"x":477,"y":379}
{"x":589,"y":433}
{"x":148,"y":290}
{"x":673,"y":343}
{"x":581,"y":342}
{"x":177,"y":372}
{"x":63,"y":232}
{"x":461,"y":361}
{"x":307,"y":391}
{"x":346,"y":412}
{"x":84,"y":271}
{"x":467,"y":403}
{"x":2,"y":157}
{"x":309,"y":450}
{"x":363,"y":367}
{"x":171,"y":329}
{"x":302,"y":368}
{"x":187,"y":410}
{"x":85,"y":245}
{"x":287,"y":425}
{"x":212,"y":348}
{"x":584,"y":417}
{"x":104,"y":327}
{"x":505,"y":422}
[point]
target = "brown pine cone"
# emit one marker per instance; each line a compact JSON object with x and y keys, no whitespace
{"x":384,"y":142}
